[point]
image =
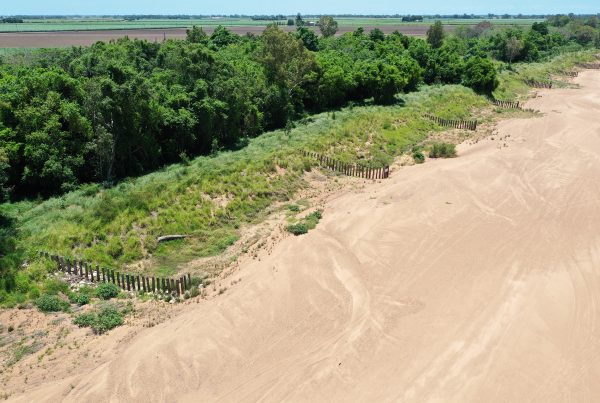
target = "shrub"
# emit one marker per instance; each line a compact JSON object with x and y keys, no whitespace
{"x":293,"y":208}
{"x":418,"y":157}
{"x":79,"y":298}
{"x":308,"y":223}
{"x":85,"y":319}
{"x":53,"y":286}
{"x":480,"y":75}
{"x":107,"y":291}
{"x":442,"y":150}
{"x":107,"y":318}
{"x":51,"y":303}
{"x":298,"y":228}
{"x":315,"y":216}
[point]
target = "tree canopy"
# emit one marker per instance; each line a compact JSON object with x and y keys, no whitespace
{"x":113,"y":110}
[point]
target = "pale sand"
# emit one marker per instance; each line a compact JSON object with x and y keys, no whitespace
{"x":475,"y":279}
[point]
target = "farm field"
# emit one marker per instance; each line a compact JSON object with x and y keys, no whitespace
{"x":83,"y":38}
{"x":82,"y":32}
{"x":93,"y":24}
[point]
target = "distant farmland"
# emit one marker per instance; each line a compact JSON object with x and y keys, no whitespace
{"x":86,"y":31}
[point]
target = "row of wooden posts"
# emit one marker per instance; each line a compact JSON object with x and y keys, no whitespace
{"x":570,"y":73}
{"x":349,"y":169}
{"x":128,"y":282}
{"x":457,"y":124}
{"x":507,"y":104}
{"x":594,"y":66}
{"x":538,"y":84}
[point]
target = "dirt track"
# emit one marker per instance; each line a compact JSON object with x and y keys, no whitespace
{"x":471,"y":279}
{"x":83,"y":38}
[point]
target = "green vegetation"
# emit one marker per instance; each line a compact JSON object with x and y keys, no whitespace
{"x":101,"y":320}
{"x":51,"y":303}
{"x":418,"y":155}
{"x":442,"y":150}
{"x":107,"y":291}
{"x":79,"y":298}
{"x":79,"y":127}
{"x":306,"y":224}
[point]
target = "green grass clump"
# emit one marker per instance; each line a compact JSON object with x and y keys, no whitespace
{"x":51,"y":303}
{"x":293,"y":208}
{"x":79,"y":298}
{"x":102,"y":320}
{"x":442,"y":150}
{"x":107,"y":291}
{"x":297,"y":228}
{"x":418,"y":156}
{"x":306,"y":224}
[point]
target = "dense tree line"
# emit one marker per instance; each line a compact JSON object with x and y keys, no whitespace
{"x":113,"y":110}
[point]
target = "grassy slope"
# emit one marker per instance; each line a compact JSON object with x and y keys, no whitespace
{"x":513,"y":87}
{"x":120,"y":225}
{"x":212,"y":196}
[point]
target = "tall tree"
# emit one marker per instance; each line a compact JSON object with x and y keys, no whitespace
{"x":513,"y":49}
{"x":435,"y":34}
{"x":328,"y":26}
{"x":287,"y":62}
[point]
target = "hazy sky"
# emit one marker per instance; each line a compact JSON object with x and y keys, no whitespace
{"x":8,"y":7}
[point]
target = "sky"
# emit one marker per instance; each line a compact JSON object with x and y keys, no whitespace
{"x":288,"y":7}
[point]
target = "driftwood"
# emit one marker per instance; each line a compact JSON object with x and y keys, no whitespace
{"x":169,"y":238}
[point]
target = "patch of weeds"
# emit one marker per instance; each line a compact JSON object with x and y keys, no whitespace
{"x":21,"y":350}
{"x":293,"y":208}
{"x":442,"y":150}
{"x":297,"y":228}
{"x":79,"y":298}
{"x":102,"y":320}
{"x":306,"y":224}
{"x":51,"y":303}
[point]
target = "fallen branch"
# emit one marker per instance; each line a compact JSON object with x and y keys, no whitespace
{"x":170,"y":238}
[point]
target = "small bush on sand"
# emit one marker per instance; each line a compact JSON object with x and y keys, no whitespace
{"x":85,"y":319}
{"x":79,"y":298}
{"x":418,"y":155}
{"x":107,"y":291}
{"x":297,"y":228}
{"x":442,"y":150}
{"x":51,"y":303}
{"x":308,"y":223}
{"x":101,"y":321}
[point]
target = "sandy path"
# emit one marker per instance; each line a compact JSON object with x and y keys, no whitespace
{"x":472,"y":279}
